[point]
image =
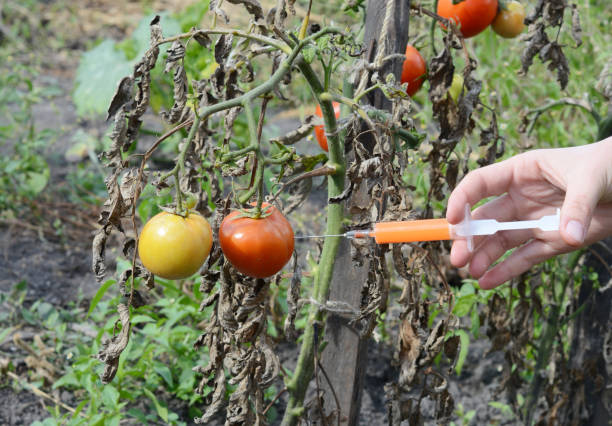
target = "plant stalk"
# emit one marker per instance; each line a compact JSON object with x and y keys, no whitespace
{"x":335,"y":213}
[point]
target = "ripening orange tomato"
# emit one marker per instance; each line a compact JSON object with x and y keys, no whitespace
{"x":258,"y":247}
{"x":472,"y":16}
{"x":319,"y":130}
{"x":510,"y":21}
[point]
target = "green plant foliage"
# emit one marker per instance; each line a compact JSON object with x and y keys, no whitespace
{"x":24,"y":172}
{"x":101,"y":68}
{"x":159,"y":354}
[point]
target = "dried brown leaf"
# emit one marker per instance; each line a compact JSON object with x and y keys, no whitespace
{"x":252,"y":6}
{"x":112,"y":348}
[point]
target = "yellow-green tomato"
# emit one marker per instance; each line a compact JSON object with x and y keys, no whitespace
{"x":456,"y":87}
{"x":173,"y":246}
{"x":510,"y":21}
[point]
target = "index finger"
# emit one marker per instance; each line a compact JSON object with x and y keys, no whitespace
{"x":487,"y":181}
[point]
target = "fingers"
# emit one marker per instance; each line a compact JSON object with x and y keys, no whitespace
{"x":581,"y":197}
{"x":522,"y":259}
{"x":502,"y":209}
{"x":494,"y":179}
{"x":495,"y":247}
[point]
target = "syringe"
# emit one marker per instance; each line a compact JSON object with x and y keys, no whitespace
{"x":439,"y":229}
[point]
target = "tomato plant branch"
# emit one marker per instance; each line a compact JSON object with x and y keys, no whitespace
{"x":335,"y":213}
{"x":379,"y":116}
{"x":256,"y":185}
{"x":537,"y":112}
{"x":255,"y":37}
{"x":326,"y":170}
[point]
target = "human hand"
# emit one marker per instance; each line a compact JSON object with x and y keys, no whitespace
{"x":577,"y":180}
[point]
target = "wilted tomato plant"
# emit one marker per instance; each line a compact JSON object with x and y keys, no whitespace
{"x":247,"y":187}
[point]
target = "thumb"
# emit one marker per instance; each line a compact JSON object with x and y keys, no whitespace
{"x":577,"y":211}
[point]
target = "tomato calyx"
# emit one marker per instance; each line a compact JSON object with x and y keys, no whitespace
{"x":503,"y":5}
{"x":187,"y":206}
{"x":264,"y":212}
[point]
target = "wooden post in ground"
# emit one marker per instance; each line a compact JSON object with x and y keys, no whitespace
{"x":345,"y":356}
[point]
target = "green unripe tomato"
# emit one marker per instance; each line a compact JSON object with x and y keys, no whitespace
{"x":456,"y":87}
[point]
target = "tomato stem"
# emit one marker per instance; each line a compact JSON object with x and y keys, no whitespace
{"x":298,"y":384}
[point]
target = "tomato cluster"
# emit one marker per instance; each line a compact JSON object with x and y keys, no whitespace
{"x":474,"y":16}
{"x":174,"y":247}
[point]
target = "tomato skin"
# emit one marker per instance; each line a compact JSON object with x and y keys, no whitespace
{"x":510,"y":22}
{"x":320,"y":129}
{"x":260,"y":247}
{"x":414,"y":70}
{"x":472,"y":16}
{"x":174,"y":247}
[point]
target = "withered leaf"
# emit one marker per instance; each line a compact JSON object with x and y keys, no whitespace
{"x":299,"y":133}
{"x":604,"y":83}
{"x":298,"y":194}
{"x":98,"y":247}
{"x":122,"y":96}
{"x":112,"y":348}
{"x":175,"y":53}
{"x":293,"y":294}
{"x":202,"y":38}
{"x":223,"y":46}
{"x":410,"y":348}
{"x":252,"y":6}
{"x":576,"y":28}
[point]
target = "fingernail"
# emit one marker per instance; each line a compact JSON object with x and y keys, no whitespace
{"x":575,"y":230}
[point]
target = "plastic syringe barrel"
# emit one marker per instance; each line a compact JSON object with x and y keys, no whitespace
{"x":411,"y":231}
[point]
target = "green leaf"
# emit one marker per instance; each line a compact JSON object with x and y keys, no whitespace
{"x":161,"y":410}
{"x":99,"y":71}
{"x":309,"y":53}
{"x":113,"y":421}
{"x":464,"y":305}
{"x":5,"y":333}
{"x":464,"y":344}
{"x":165,"y":372}
{"x":466,"y":289}
{"x":101,"y":68}
{"x":79,"y":408}
{"x":35,"y":182}
{"x":98,"y":296}
{"x":141,"y":318}
{"x":135,"y":412}
{"x":28,"y":316}
{"x":110,"y":396}
{"x":68,"y":379}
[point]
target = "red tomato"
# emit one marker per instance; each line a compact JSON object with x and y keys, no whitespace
{"x":320,"y":130}
{"x":413,"y":70}
{"x":472,"y":16}
{"x":257,"y":247}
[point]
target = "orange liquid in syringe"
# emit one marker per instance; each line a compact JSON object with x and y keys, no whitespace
{"x":411,"y":231}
